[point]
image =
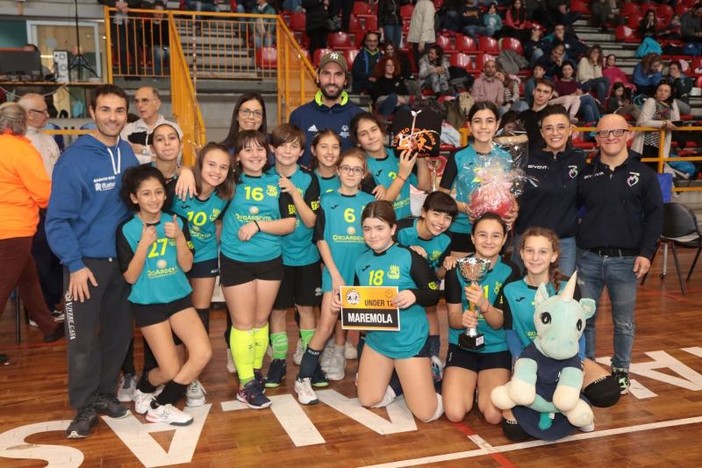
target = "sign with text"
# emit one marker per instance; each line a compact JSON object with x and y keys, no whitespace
{"x":369,"y":308}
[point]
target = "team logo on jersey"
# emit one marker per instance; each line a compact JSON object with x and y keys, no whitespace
{"x":271,"y":190}
{"x":313,"y":128}
{"x":365,"y":267}
{"x":394,"y":272}
{"x":519,"y":299}
{"x":572,"y":172}
{"x":633,"y":179}
{"x":352,"y":297}
{"x":215,"y":214}
{"x":344,"y":133}
{"x":253,"y":210}
{"x":433,"y":285}
{"x":498,"y":286}
{"x":161,"y":264}
{"x":350,"y":230}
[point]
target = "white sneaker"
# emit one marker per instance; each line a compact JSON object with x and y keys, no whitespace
{"x":127,"y":385}
{"x":231,"y":367}
{"x":305,"y":394}
{"x":588,"y":428}
{"x":168,"y":414}
{"x":327,"y":354}
{"x":195,"y":395}
{"x":350,"y":351}
{"x":337,"y":365}
{"x":437,"y":369}
{"x":299,"y":352}
{"x":142,"y":401}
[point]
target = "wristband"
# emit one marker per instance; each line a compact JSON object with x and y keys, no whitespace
{"x":257,"y":226}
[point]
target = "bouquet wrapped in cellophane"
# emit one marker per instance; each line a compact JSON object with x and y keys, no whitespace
{"x":493,"y":181}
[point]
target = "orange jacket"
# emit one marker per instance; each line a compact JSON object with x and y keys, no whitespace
{"x":24,"y":187}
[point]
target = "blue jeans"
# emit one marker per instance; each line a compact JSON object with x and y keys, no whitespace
{"x":600,"y":85}
{"x":194,"y":5}
{"x":566,"y":258}
{"x":161,"y":58}
{"x":588,"y":109}
{"x":475,"y":31}
{"x":617,"y":273}
{"x":393,"y":34}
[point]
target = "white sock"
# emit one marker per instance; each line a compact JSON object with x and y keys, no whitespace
{"x":388,"y":398}
{"x":439,"y":409}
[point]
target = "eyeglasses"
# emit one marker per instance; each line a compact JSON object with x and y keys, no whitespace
{"x":43,"y":112}
{"x":351,"y":170}
{"x":248,"y":113}
{"x":617,"y":132}
{"x":143,"y":101}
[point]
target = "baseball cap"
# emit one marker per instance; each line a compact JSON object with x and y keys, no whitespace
{"x":333,"y":57}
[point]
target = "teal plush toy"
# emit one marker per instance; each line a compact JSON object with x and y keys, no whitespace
{"x":544,"y":392}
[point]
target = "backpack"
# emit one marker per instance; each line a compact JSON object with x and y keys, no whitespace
{"x":648,"y":46}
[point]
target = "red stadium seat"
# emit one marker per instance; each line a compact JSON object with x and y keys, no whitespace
{"x":698,"y":82}
{"x":371,"y":23}
{"x":624,"y":34}
{"x":445,"y":43}
{"x":318,"y":56}
{"x":462,"y":60}
{"x":634,"y":20}
{"x":339,"y":41}
{"x":465,"y":43}
{"x":350,"y":56}
{"x":665,"y":11}
{"x":580,"y":6}
{"x":629,"y":8}
{"x":267,"y":58}
{"x":298,"y":21}
{"x":406,"y":11}
{"x":489,"y":45}
{"x":355,"y":25}
{"x":361,"y":8}
{"x":510,"y":43}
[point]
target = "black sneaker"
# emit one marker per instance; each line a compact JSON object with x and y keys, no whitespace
{"x":110,"y":406}
{"x":276,"y":373}
{"x":622,"y":378}
{"x":319,"y":379}
{"x":258,"y":376}
{"x":4,"y":359}
{"x":252,"y":395}
{"x":85,"y":419}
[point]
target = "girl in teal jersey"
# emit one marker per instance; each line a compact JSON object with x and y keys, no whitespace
{"x":391,"y":174}
{"x":338,"y":237}
{"x":406,"y":351}
{"x":154,"y":254}
{"x":489,"y":366}
{"x":251,"y":261}
{"x":483,"y":121}
{"x":326,"y":149}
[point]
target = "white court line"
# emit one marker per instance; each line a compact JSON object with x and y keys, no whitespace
{"x":539,"y":443}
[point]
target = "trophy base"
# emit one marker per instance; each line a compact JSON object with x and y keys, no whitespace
{"x":471,"y":343}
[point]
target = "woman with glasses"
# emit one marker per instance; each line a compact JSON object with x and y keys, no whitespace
{"x":549,"y":195}
{"x":249,"y":114}
{"x":659,"y":111}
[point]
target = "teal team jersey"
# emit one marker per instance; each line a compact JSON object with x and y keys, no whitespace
{"x":500,"y":274}
{"x":256,"y":199}
{"x":437,"y":248}
{"x":161,"y":280}
{"x":201,"y":216}
{"x":328,"y":184}
{"x":298,"y":249}
{"x":384,"y":171}
{"x":339,"y":224}
{"x":399,"y":266}
{"x":459,"y":174}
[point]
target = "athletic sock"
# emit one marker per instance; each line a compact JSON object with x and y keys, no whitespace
{"x":306,"y":336}
{"x":241,"y":342}
{"x":310,"y":361}
{"x":204,"y":315}
{"x":260,"y":336}
{"x":172,"y":392}
{"x":144,"y":385}
{"x":279,"y":343}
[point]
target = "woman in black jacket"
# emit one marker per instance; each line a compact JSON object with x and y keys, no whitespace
{"x":390,"y":92}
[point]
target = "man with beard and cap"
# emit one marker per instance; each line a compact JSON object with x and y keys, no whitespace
{"x":331,"y":107}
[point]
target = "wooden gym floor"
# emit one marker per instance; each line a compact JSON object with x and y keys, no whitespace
{"x":658,"y":424}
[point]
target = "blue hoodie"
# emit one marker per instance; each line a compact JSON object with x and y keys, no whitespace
{"x":85,"y":208}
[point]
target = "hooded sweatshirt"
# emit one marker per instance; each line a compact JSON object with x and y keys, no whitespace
{"x":85,"y":207}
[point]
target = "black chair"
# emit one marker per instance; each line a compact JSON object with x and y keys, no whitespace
{"x":680,"y":229}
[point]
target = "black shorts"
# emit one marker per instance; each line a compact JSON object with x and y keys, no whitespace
{"x":301,"y":285}
{"x":151,"y":314}
{"x":425,"y":351}
{"x":476,"y":362}
{"x":461,"y":242}
{"x":205,"y":269}
{"x":234,"y":272}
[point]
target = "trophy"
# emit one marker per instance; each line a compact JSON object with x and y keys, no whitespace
{"x":433,"y":163}
{"x":473,"y":270}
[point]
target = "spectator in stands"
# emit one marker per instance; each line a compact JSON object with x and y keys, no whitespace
{"x":201,"y":5}
{"x":535,"y":45}
{"x":264,"y":29}
{"x":659,"y":111}
{"x":48,"y":265}
{"x":648,"y":26}
{"x":471,"y":20}
{"x":590,"y":73}
{"x":391,"y":20}
{"x":567,"y":85}
{"x":433,"y":70}
{"x":511,"y":101}
{"x":126,"y":34}
{"x":25,"y":190}
{"x":560,"y":14}
{"x":364,"y":64}
{"x":389,"y":50}
{"x":615,"y":74}
{"x":647,"y":74}
{"x":517,"y":24}
{"x":605,"y":11}
{"x":682,"y":85}
{"x":552,"y":63}
{"x":316,"y":25}
{"x":691,"y":28}
{"x":620,"y":102}
{"x":574,"y":47}
{"x":531,"y":117}
{"x":342,"y":9}
{"x":421,"y":31}
{"x":330,"y":108}
{"x":450,"y":16}
{"x":157,"y":36}
{"x":249,"y":114}
{"x":492,"y":20}
{"x":537,"y":72}
{"x":390,"y":92}
{"x":672,"y":32}
{"x":487,"y":87}
{"x":148,"y":104}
